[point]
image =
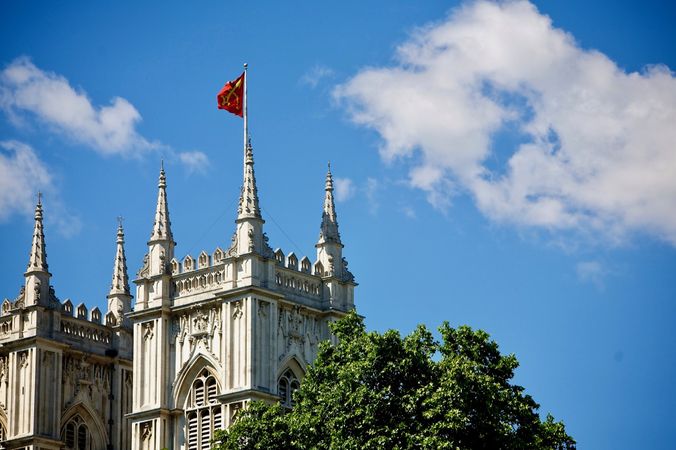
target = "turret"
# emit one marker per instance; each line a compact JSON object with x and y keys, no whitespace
{"x":329,"y":247}
{"x":119,"y":297}
{"x":249,"y":234}
{"x":161,"y":244}
{"x":37,"y":276}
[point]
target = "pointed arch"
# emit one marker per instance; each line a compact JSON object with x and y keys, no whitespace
{"x":196,"y":392}
{"x":295,"y":363}
{"x":191,"y":369}
{"x":96,"y":428}
{"x":289,"y":377}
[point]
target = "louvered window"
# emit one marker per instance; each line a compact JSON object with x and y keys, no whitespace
{"x":205,"y":429}
{"x":203,"y":412}
{"x":192,"y":431}
{"x":199,"y":393}
{"x":76,"y":435}
{"x":286,"y":386}
{"x":211,"y":390}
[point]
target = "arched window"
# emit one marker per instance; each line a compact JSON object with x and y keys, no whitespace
{"x":2,"y":436}
{"x":202,"y":412}
{"x":76,"y":435}
{"x":286,"y":386}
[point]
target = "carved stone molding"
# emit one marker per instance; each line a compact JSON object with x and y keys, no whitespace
{"x":146,"y":430}
{"x":148,"y":330}
{"x":237,"y":310}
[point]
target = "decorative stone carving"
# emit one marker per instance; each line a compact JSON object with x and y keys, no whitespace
{"x":145,"y":269}
{"x":146,"y":430}
{"x":148,"y":330}
{"x":200,"y":323}
{"x":299,"y":331}
{"x":250,"y":235}
{"x":237,"y":310}
{"x":24,"y":362}
{"x":263,"y":308}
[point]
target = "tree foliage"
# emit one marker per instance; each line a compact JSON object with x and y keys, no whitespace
{"x":382,"y":391}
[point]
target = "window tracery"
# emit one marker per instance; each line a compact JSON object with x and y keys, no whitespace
{"x":76,"y":435}
{"x":203,"y":412}
{"x":287,"y":385}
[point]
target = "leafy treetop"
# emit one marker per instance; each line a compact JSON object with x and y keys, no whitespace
{"x":382,"y":391}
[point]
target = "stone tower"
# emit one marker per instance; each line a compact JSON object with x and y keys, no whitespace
{"x":231,"y":326}
{"x":65,"y":371}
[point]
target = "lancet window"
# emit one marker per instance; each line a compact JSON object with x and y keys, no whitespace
{"x":288,"y":384}
{"x":203,"y":413}
{"x":76,"y":435}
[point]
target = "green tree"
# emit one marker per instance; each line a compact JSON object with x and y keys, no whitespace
{"x":382,"y":391}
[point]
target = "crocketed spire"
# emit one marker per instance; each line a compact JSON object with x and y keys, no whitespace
{"x":37,"y":261}
{"x":162,"y":225}
{"x":329,"y":227}
{"x":248,"y":199}
{"x":120,"y":283}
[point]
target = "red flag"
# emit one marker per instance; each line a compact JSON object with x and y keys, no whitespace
{"x":231,"y":97}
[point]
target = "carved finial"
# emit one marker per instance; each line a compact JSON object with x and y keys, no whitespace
{"x":120,"y":230}
{"x":163,"y":179}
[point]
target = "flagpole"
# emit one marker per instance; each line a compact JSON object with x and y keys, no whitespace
{"x":246,"y":114}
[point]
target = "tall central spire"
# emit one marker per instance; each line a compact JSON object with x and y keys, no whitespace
{"x":248,"y":200}
{"x":329,"y":228}
{"x":162,"y":225}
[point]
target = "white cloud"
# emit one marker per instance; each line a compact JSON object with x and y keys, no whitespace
{"x":109,"y":129}
{"x":22,"y":175}
{"x":592,"y":272}
{"x":316,"y":74}
{"x":27,"y":90}
{"x":194,"y":161}
{"x":345,"y":189}
{"x":598,"y":150}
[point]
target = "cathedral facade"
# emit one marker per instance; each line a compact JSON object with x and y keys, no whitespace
{"x":203,"y":337}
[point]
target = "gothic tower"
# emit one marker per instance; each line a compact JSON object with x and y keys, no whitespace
{"x":65,"y":377}
{"x":231,"y":326}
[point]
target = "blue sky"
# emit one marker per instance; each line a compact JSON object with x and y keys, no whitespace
{"x":504,"y":165}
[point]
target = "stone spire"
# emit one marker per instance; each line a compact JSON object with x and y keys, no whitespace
{"x":330,"y":263}
{"x":248,"y":199}
{"x":249,"y":237}
{"x":329,"y":247}
{"x":37,"y":261}
{"x":120,"y":284}
{"x":36,"y":285}
{"x":329,"y":228}
{"x":161,"y":244}
{"x":162,"y":225}
{"x":119,"y":298}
